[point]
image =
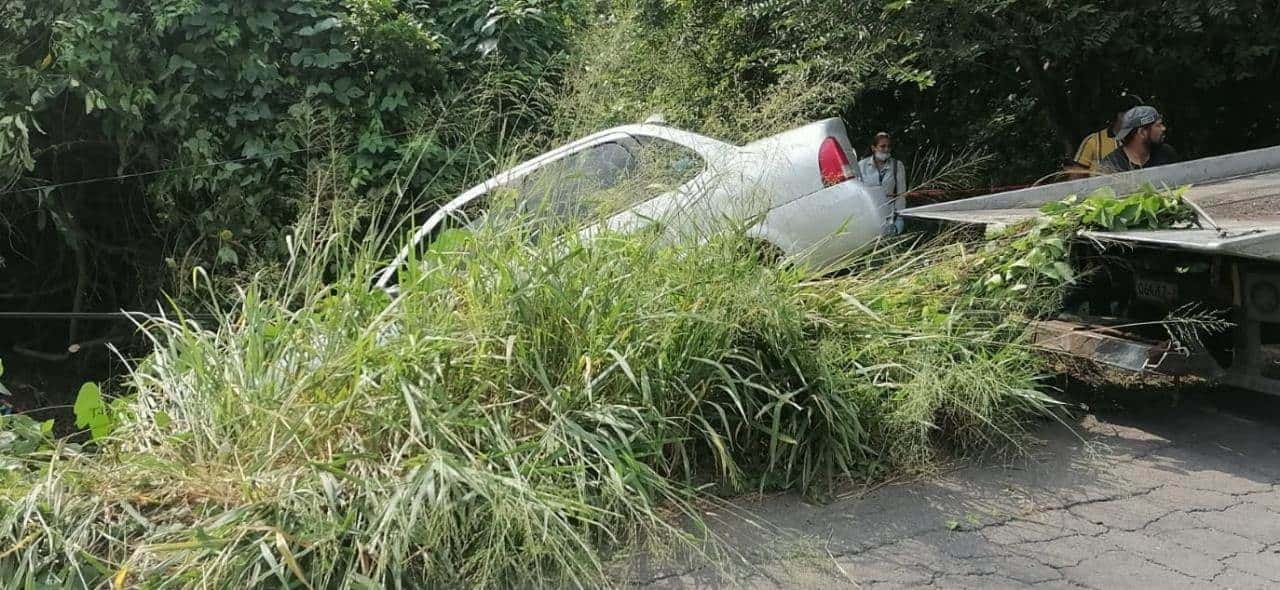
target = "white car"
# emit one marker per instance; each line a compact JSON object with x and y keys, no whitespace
{"x":797,"y":189}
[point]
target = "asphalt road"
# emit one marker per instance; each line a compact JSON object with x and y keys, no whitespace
{"x":1151,"y":495}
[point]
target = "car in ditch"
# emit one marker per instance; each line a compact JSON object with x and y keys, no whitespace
{"x":795,"y":192}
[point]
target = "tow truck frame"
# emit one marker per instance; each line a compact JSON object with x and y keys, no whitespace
{"x":1229,"y":263}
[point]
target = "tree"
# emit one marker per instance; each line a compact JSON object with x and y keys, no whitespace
{"x":207,"y":114}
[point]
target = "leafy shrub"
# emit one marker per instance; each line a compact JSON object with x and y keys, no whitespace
{"x":212,"y":113}
{"x":1104,"y":211}
{"x":1034,"y":256}
{"x":20,"y":438}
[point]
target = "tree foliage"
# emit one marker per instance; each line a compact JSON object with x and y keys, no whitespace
{"x":235,"y":101}
{"x":231,"y":101}
{"x":1025,"y":79}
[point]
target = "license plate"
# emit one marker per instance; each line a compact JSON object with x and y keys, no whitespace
{"x":1156,"y":291}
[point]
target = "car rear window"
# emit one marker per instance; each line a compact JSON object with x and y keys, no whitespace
{"x":595,"y":182}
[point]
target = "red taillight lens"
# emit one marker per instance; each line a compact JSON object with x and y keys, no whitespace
{"x":832,"y":163}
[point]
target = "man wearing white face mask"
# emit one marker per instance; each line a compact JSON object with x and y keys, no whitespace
{"x":880,"y":169}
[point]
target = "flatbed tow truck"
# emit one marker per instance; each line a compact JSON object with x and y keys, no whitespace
{"x":1133,"y":282}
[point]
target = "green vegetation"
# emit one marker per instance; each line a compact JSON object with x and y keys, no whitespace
{"x":20,"y":436}
{"x":1023,"y":80}
{"x":215,"y":113}
{"x":1030,"y":256}
{"x":529,"y":404}
{"x":235,"y":102}
{"x":1104,"y":211}
{"x":525,"y":405}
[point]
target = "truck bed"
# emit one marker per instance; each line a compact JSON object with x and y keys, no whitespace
{"x":1238,"y":194}
{"x":1248,"y":199}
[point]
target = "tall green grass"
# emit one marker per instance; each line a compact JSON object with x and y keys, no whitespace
{"x":530,"y":403}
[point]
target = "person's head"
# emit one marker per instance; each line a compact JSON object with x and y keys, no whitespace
{"x":1141,"y":126}
{"x":1121,"y":105}
{"x":882,"y":146}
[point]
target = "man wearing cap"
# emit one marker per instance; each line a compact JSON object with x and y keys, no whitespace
{"x":1141,"y":136}
{"x":1100,"y":144}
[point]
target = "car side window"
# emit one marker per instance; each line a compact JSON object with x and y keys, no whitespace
{"x":562,"y":187}
{"x":667,"y":165}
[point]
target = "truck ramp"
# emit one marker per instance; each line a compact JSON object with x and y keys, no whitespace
{"x":1238,"y":196}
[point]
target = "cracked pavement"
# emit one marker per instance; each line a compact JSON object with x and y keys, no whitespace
{"x":1157,"y":495}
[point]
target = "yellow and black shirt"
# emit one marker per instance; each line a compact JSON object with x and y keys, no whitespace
{"x":1095,"y":147}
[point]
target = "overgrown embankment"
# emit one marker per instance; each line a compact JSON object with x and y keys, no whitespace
{"x":529,"y":403}
{"x":524,"y":406}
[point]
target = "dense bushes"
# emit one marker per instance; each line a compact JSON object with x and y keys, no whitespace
{"x":234,"y":101}
{"x":1024,"y":80}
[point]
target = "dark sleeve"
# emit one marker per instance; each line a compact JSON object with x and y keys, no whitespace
{"x":1169,"y":155}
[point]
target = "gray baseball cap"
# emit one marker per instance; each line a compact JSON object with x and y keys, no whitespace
{"x":1134,"y":118}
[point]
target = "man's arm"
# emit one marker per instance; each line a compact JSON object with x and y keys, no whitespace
{"x":901,"y":175}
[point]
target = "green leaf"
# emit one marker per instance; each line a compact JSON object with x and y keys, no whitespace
{"x":91,"y":412}
{"x":1054,"y":208}
{"x":227,"y":255}
{"x":450,"y":241}
{"x":320,"y":27}
{"x":1064,"y":271}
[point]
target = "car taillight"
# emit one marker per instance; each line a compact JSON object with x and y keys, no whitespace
{"x":833,"y":164}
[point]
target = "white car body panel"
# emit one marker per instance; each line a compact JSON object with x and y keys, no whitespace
{"x":774,"y":182}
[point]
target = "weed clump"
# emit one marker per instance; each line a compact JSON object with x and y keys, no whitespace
{"x":526,"y":403}
{"x":530,"y":399}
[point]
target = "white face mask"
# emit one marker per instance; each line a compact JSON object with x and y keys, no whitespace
{"x":882,"y":156}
